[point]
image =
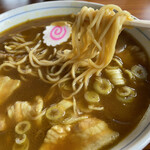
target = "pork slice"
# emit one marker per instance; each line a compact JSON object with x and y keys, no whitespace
{"x":2,"y":123}
{"x":91,"y":134}
{"x":7,"y":87}
{"x":21,"y":110}
{"x":54,"y":136}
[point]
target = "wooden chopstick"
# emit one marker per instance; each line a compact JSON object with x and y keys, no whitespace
{"x":138,"y":23}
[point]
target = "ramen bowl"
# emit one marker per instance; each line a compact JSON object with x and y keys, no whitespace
{"x":140,"y":136}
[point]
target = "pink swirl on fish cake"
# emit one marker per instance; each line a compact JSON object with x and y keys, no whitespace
{"x":57,"y":33}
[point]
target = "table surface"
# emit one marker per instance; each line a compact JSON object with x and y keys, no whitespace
{"x":138,"y":8}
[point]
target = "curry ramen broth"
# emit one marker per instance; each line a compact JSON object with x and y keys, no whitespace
{"x":120,"y":116}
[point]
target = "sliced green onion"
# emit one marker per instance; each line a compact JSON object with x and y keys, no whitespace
{"x":21,"y":139}
{"x":22,"y":127}
{"x":126,"y":94}
{"x":91,"y":97}
{"x":55,"y":112}
{"x":65,"y":104}
{"x":139,"y":71}
{"x":21,"y":146}
{"x":102,"y":86}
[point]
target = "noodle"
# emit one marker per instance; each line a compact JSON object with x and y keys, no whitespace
{"x":94,"y":36}
{"x":95,"y":108}
{"x":74,"y":119}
